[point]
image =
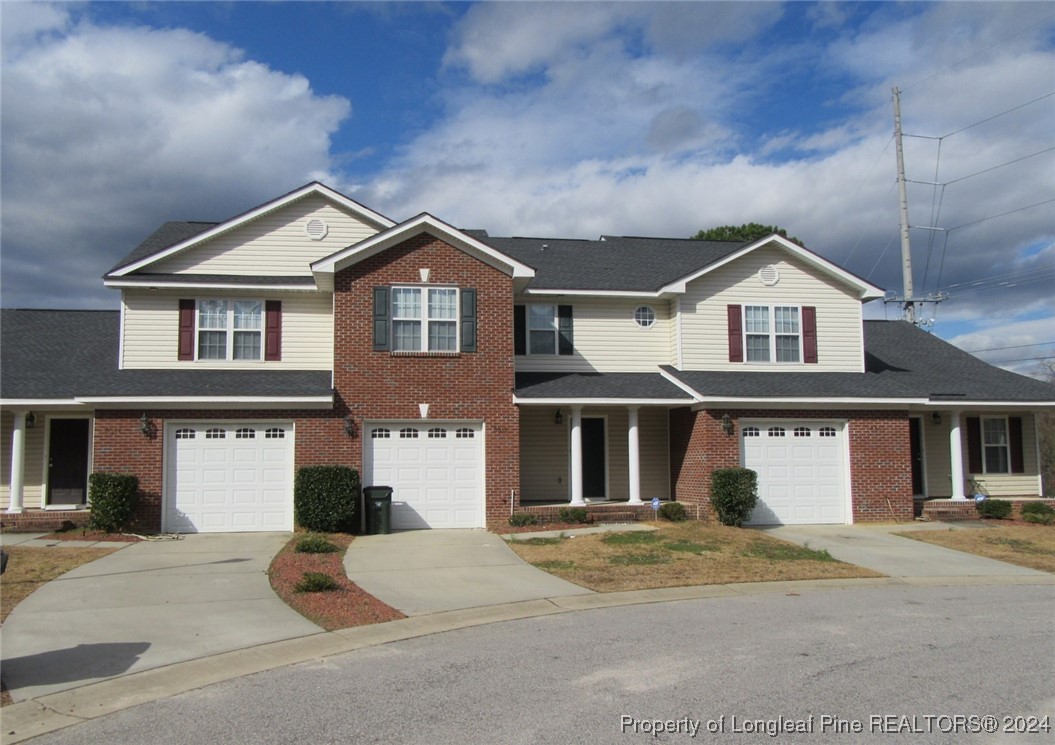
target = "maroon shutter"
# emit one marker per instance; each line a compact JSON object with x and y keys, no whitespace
{"x":974,"y":444}
{"x":186,"y":330}
{"x":1014,"y":439}
{"x":273,"y":330}
{"x":809,"y":334}
{"x":736,"y":334}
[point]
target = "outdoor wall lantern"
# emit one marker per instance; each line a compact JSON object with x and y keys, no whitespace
{"x":349,"y":426}
{"x":727,"y":424}
{"x":558,"y":418}
{"x":145,"y":425}
{"x":935,"y":418}
{"x":31,"y":420}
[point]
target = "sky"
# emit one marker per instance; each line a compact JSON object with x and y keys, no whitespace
{"x":552,"y":119}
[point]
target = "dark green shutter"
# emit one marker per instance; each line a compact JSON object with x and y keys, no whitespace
{"x":468,"y":320}
{"x":564,"y":330}
{"x":1014,"y":439}
{"x":974,"y":444}
{"x":520,"y":329}
{"x":381,"y":319}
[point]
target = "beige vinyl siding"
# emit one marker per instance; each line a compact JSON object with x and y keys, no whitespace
{"x":33,"y":469}
{"x":939,"y":462}
{"x":606,"y":337}
{"x":151,"y":330}
{"x":704,"y":321}
{"x":273,"y":244}
{"x":544,"y":453}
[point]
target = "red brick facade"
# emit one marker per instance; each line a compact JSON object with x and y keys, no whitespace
{"x":880,"y":457}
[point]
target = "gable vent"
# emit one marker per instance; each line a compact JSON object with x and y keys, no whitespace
{"x":768,"y":275}
{"x":316,"y":229}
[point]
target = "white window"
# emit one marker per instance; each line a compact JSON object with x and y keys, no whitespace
{"x":245,"y":433}
{"x":215,"y":434}
{"x":645,"y":317}
{"x":380,"y":434}
{"x":827,"y":431}
{"x":184,"y":434}
{"x":995,"y":446}
{"x":230,"y":329}
{"x":424,"y":319}
{"x":776,"y":431}
{"x":542,"y":329}
{"x":750,"y":431}
{"x":437,"y":433}
{"x":802,"y":431}
{"x":408,"y":433}
{"x":274,"y":433}
{"x":465,"y":433}
{"x":772,"y":333}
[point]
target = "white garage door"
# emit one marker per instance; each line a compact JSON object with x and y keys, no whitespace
{"x":229,"y":477}
{"x":801,"y":470}
{"x":435,"y":468}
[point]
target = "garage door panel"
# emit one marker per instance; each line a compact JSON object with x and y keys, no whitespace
{"x":229,"y":477}
{"x":801,"y":474}
{"x":436,"y":475}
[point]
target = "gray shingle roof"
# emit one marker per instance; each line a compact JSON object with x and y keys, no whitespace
{"x":62,"y":354}
{"x":612,"y":263}
{"x":901,"y":361}
{"x":598,"y":385}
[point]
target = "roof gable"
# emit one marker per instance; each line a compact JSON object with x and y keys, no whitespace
{"x":175,"y":240}
{"x":423,"y":223}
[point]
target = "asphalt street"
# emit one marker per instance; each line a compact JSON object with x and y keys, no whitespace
{"x":901,"y":664}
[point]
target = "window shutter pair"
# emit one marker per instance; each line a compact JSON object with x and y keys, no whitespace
{"x":466,"y":319}
{"x":565,"y":330}
{"x":1014,"y":441}
{"x":736,"y":333}
{"x":272,"y":330}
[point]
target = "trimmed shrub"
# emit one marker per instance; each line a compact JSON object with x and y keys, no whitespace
{"x":523,"y":518}
{"x":324,"y":498}
{"x":994,"y":509}
{"x":673,"y":511}
{"x":316,"y":582}
{"x":573,"y":515}
{"x":1038,"y":512}
{"x":315,"y":544}
{"x":734,"y":493}
{"x":113,"y":498}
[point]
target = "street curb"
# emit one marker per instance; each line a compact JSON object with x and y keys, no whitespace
{"x":55,"y":711}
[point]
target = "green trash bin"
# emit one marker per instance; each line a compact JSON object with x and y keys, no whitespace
{"x":378,"y":509}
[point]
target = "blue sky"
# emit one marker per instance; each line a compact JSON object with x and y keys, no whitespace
{"x":548,"y":118}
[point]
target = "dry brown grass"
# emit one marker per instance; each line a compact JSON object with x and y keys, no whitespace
{"x":29,"y":568}
{"x":1031,"y":546}
{"x":677,"y":555}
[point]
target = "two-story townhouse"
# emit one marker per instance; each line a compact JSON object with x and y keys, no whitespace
{"x":480,"y":376}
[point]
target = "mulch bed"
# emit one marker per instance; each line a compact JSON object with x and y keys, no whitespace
{"x":342,"y":608}
{"x":503,"y":530}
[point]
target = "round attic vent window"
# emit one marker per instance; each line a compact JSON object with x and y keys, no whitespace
{"x":316,"y":229}
{"x":768,"y":275}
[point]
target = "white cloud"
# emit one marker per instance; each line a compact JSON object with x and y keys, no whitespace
{"x":109,"y":131}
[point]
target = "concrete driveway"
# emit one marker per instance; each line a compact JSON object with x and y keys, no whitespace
{"x":147,"y":605}
{"x":876,"y":547}
{"x":428,"y":571}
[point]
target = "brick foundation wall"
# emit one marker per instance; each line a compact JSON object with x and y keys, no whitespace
{"x":475,"y":386}
{"x":880,"y":457}
{"x":43,"y":521}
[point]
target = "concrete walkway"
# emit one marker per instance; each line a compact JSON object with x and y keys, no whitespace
{"x":145,"y":606}
{"x":876,"y":547}
{"x":428,"y":571}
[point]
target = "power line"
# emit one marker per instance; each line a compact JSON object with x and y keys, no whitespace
{"x":935,"y":183}
{"x":997,"y":116}
{"x":1016,"y":346}
{"x":1023,"y":359}
{"x":1002,"y":214}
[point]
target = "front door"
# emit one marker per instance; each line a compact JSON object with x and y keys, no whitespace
{"x":594,"y":462}
{"x":915,"y":429}
{"x":68,"y":462}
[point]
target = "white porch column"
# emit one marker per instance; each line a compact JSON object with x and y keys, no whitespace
{"x":576,"y":456}
{"x":634,"y":449}
{"x":956,"y":455}
{"x":18,"y":462}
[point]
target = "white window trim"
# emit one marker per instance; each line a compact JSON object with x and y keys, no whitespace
{"x":1006,"y":446}
{"x":425,"y":320}
{"x":652,"y":323}
{"x":229,"y":329}
{"x":772,"y":334}
{"x":555,"y":330}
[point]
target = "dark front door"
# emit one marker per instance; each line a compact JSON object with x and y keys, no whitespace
{"x":915,"y":428}
{"x":594,"y":465}
{"x":68,"y":461}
